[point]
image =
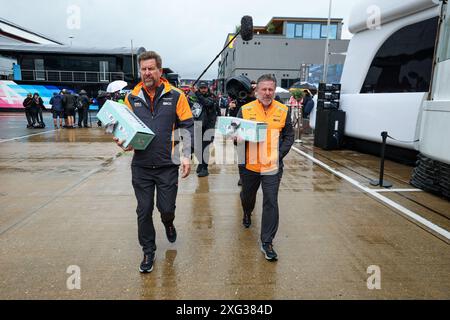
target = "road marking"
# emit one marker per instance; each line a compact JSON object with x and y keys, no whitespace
{"x":30,"y":135}
{"x":397,"y":190}
{"x":414,"y":216}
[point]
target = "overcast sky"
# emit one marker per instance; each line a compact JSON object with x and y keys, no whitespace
{"x":187,"y":34}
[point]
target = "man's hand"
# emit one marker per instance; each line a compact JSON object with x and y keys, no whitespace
{"x":232,"y":104}
{"x":237,"y":139}
{"x":185,"y":167}
{"x":193,"y":89}
{"x":120,"y":144}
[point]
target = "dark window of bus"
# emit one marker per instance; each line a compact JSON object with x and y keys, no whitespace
{"x":403,"y":63}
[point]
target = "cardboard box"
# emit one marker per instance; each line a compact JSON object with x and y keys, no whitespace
{"x":129,"y":127}
{"x":247,"y":130}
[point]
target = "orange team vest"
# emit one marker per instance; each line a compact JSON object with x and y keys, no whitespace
{"x":263,"y":156}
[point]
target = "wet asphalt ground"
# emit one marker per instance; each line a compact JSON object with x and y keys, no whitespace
{"x":67,"y":205}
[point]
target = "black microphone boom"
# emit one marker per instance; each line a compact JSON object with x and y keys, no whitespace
{"x":246,"y":32}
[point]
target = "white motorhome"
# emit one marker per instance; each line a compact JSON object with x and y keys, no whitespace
{"x":396,"y":76}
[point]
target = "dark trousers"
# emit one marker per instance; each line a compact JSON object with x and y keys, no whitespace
{"x":203,"y":158}
{"x":29,"y":115}
{"x":36,"y":115}
{"x":145,"y":181}
{"x":40,"y":118}
{"x":270,"y":184}
{"x":83,"y":117}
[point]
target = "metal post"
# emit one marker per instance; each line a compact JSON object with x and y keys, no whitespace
{"x":299,"y":123}
{"x":327,"y":43}
{"x":381,"y":182}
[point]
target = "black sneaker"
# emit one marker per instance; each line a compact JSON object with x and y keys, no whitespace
{"x":247,"y":220}
{"x":203,"y":173}
{"x":147,"y":263}
{"x":171,"y":233}
{"x":269,"y":253}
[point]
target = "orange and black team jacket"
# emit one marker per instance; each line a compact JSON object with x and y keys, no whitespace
{"x":164,"y":113}
{"x":267,"y":156}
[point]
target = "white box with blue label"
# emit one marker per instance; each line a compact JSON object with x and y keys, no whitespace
{"x":248,"y":130}
{"x":128,"y":126}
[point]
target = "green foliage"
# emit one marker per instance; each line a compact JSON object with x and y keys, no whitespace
{"x":271,"y":28}
{"x":297,"y":93}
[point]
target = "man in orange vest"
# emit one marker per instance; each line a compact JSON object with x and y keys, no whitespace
{"x":263,"y":163}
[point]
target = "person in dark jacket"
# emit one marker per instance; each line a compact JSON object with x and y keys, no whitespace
{"x":101,"y":99}
{"x":238,"y":99}
{"x":222,"y":103}
{"x":37,"y":105}
{"x":69,"y":105}
{"x":207,"y":118}
{"x":163,"y":109}
{"x":28,"y":114}
{"x":83,"y":103}
{"x":57,"y":109}
{"x":307,"y":105}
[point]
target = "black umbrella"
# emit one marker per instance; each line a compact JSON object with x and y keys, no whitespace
{"x":304,"y":85}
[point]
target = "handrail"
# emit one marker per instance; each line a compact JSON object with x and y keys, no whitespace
{"x":71,"y":76}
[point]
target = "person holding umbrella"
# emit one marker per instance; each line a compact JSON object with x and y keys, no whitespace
{"x":83,"y":109}
{"x":307,"y":106}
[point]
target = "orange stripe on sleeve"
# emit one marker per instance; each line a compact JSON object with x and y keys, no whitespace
{"x":127,"y":103}
{"x":183,"y":110}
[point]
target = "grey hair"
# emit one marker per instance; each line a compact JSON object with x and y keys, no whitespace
{"x":267,"y":77}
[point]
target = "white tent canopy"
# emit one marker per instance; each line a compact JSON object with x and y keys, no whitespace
{"x":281,"y":90}
{"x":116,"y":86}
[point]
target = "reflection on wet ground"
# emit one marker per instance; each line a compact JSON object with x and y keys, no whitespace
{"x":66,"y":199}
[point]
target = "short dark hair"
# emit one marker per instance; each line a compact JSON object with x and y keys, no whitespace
{"x":148,"y":55}
{"x":267,"y":77}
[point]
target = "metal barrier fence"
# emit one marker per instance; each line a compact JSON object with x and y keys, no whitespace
{"x":71,"y":76}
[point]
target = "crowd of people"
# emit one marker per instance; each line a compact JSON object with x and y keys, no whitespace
{"x":64,"y":107}
{"x":205,"y":105}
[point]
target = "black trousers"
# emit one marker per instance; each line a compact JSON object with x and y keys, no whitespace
{"x":36,"y":115}
{"x":145,"y":181}
{"x":203,"y":158}
{"x":270,"y":184}
{"x":83,"y":117}
{"x":30,"y":116}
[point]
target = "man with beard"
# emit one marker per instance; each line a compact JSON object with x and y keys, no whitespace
{"x":207,"y":118}
{"x":264,"y":160}
{"x":163,"y":109}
